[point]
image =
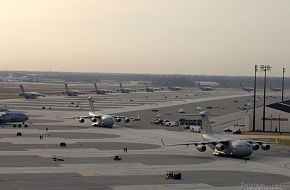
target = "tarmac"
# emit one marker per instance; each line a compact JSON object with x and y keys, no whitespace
{"x":86,"y":162}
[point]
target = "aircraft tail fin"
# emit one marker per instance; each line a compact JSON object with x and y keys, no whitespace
{"x":96,"y":87}
{"x":66,"y":87}
{"x":206,"y":126}
{"x":121,"y":86}
{"x":91,"y":102}
{"x":22,"y":88}
{"x":198,"y":85}
{"x":270,"y":86}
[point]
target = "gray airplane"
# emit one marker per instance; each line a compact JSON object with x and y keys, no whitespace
{"x":3,"y":108}
{"x":174,"y":88}
{"x":12,"y":117}
{"x":274,"y":89}
{"x":101,"y":120}
{"x":101,"y":91}
{"x":246,"y":88}
{"x":150,"y":89}
{"x":125,"y":90}
{"x":72,"y":92}
{"x":29,"y":95}
{"x":222,"y":146}
{"x":204,"y":88}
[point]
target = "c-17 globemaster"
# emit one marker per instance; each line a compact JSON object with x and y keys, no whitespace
{"x":101,"y":91}
{"x":13,"y":117}
{"x":125,"y":90}
{"x":246,"y":88}
{"x":72,"y":92}
{"x":102,"y":120}
{"x":29,"y":95}
{"x":222,"y":146}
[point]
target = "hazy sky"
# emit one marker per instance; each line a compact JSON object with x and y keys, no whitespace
{"x":145,"y":36}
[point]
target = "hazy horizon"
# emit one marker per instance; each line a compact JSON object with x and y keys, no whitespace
{"x":191,"y":37}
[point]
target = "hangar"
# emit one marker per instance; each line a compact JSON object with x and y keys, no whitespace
{"x":277,"y":118}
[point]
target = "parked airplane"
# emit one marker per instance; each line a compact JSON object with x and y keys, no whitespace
{"x":126,"y":90}
{"x":101,"y":120}
{"x":101,"y":91}
{"x":72,"y":92}
{"x":29,"y":95}
{"x":204,"y":88}
{"x":3,"y":108}
{"x":222,"y":146}
{"x":13,"y":117}
{"x":246,"y":88}
{"x":174,"y":88}
{"x":274,"y":89}
{"x":150,"y":89}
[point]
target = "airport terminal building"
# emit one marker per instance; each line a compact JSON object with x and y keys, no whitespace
{"x":277,"y":118}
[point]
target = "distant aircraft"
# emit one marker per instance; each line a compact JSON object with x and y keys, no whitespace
{"x":224,"y":146}
{"x":246,"y":88}
{"x":125,"y":90}
{"x":29,"y":95}
{"x":150,"y":89}
{"x":174,"y":88}
{"x":101,"y":120}
{"x":12,"y":117}
{"x":274,"y":89}
{"x":72,"y":92}
{"x":101,"y":91}
{"x":3,"y":108}
{"x":204,"y":88}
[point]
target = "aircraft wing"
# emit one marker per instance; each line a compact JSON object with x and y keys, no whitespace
{"x":197,"y":143}
{"x":259,"y":142}
{"x":118,"y":116}
{"x":83,"y":117}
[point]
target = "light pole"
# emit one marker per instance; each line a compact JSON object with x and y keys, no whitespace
{"x":284,"y":70}
{"x":255,"y":90}
{"x":265,"y":68}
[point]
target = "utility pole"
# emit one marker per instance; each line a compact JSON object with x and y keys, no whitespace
{"x":284,"y":70}
{"x":265,"y":68}
{"x":255,"y":91}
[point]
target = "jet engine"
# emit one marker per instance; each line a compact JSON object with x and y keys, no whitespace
{"x":118,"y":119}
{"x":265,"y":146}
{"x":220,"y":147}
{"x":94,"y":119}
{"x":255,"y":146}
{"x":201,"y":148}
{"x":81,"y":120}
{"x":127,"y":120}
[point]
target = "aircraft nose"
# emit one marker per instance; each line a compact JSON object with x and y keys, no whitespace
{"x":248,"y":152}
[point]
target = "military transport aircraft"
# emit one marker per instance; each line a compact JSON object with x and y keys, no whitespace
{"x":150,"y":89}
{"x":72,"y":92}
{"x":174,"y":88}
{"x":29,"y":95}
{"x":221,"y":146}
{"x":101,"y":120}
{"x":204,"y":88}
{"x":246,"y":88}
{"x":274,"y":89}
{"x":101,"y":91}
{"x":125,"y":90}
{"x":12,"y":117}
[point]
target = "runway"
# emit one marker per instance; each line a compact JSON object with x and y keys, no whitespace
{"x":27,"y":163}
